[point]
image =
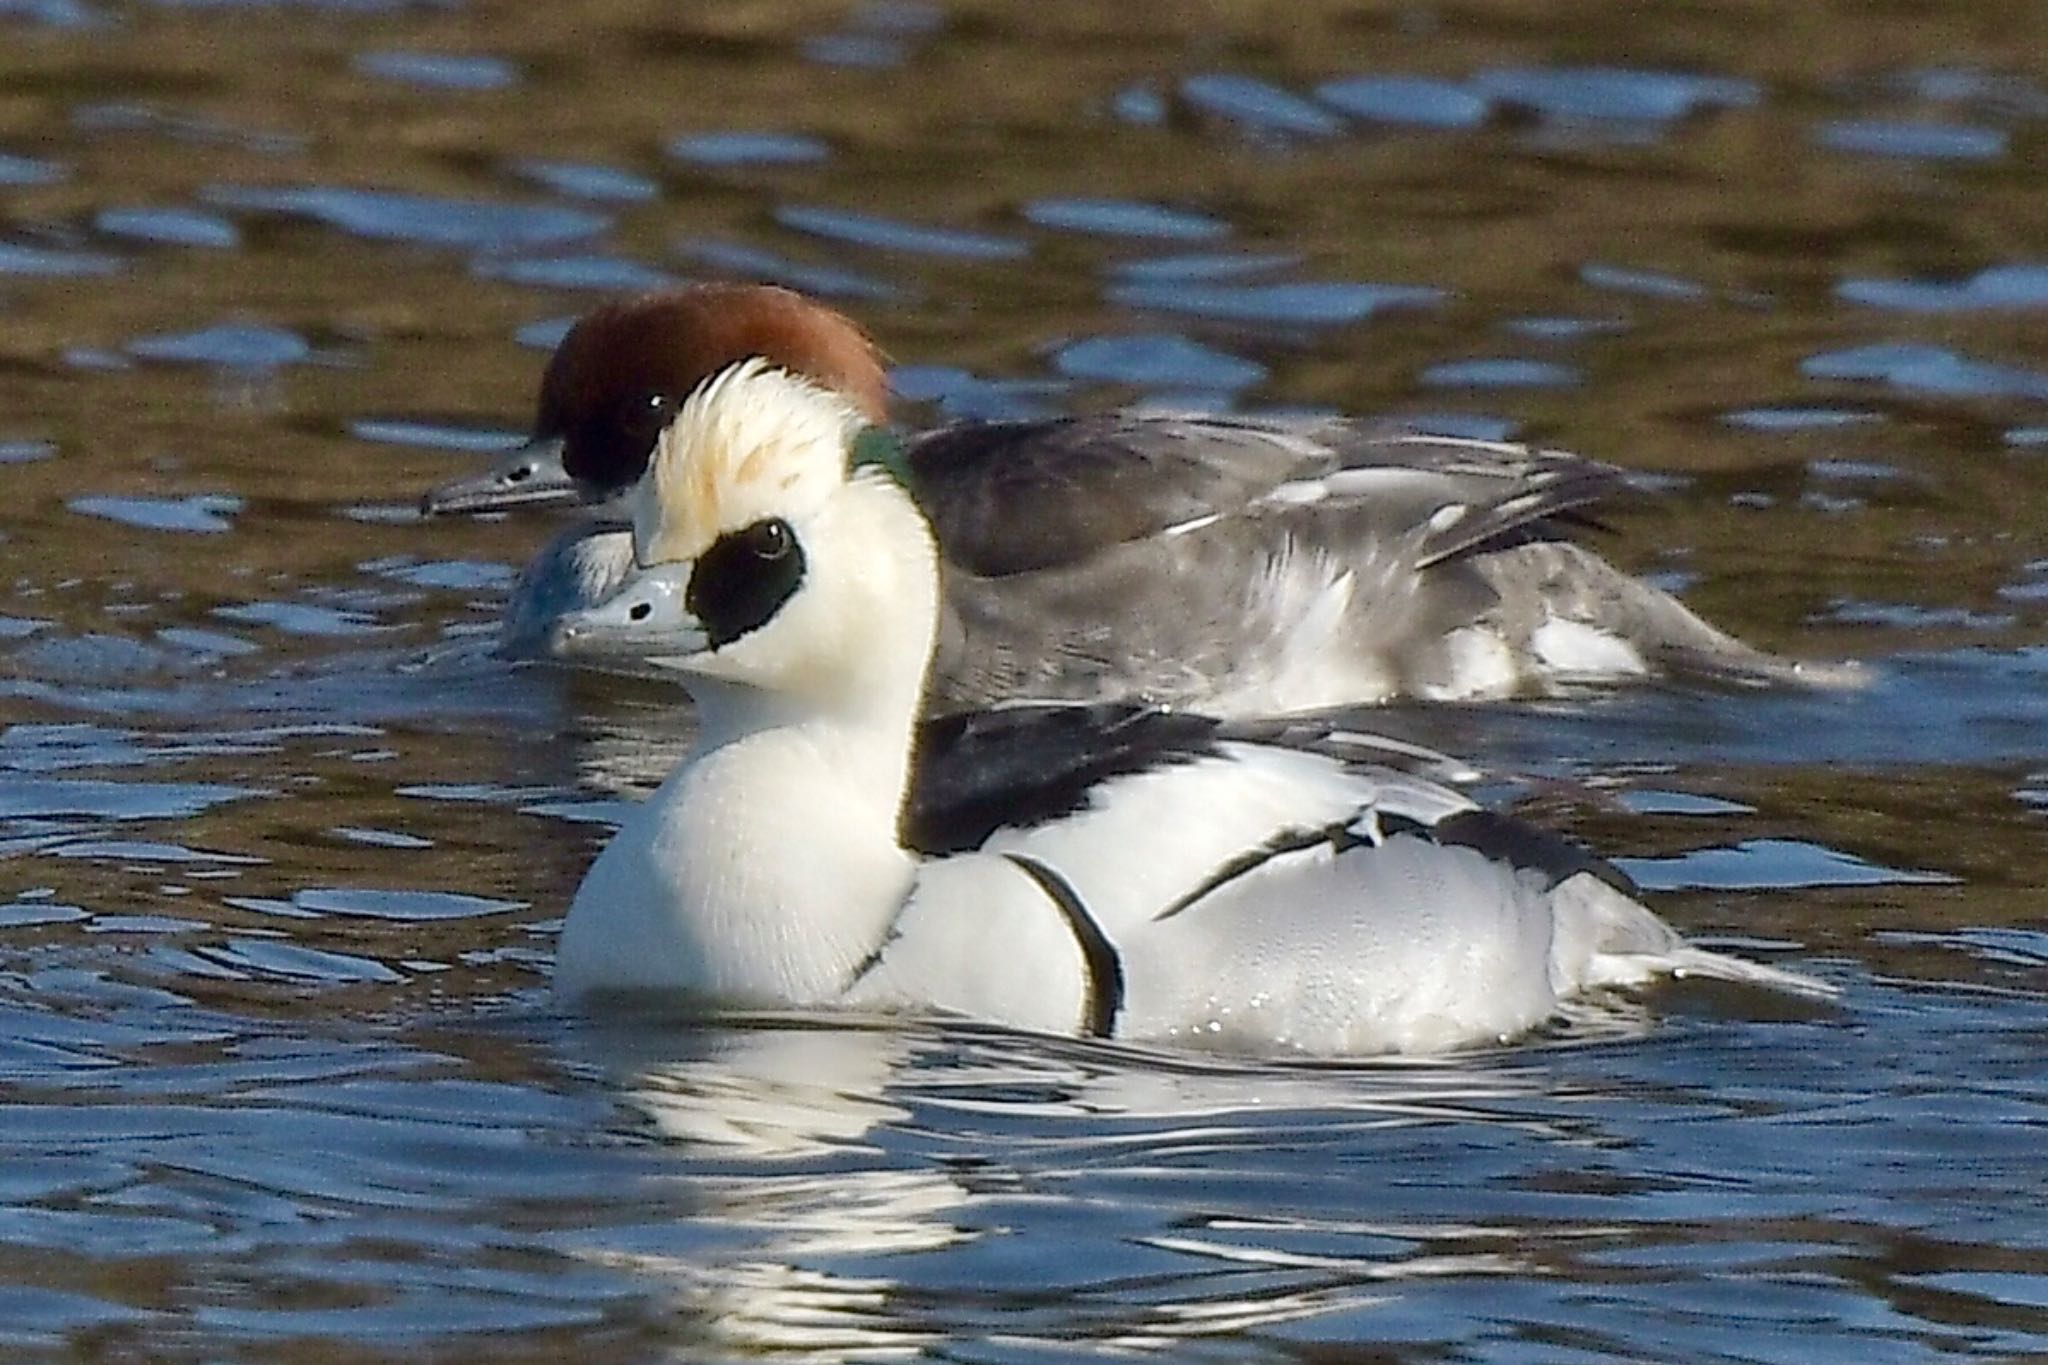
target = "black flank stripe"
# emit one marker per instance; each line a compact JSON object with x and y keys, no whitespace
{"x":882,"y":945}
{"x":1337,"y":835}
{"x":1105,"y":984}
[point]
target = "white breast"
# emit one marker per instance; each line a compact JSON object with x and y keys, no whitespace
{"x":752,"y":877}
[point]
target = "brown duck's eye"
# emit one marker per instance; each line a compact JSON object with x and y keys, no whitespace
{"x":647,"y":414}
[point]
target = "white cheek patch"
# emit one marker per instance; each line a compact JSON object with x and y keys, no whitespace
{"x":1577,"y":649}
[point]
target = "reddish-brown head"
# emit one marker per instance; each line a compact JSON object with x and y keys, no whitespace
{"x":623,"y":370}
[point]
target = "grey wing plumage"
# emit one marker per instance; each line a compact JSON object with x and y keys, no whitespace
{"x":1014,"y":497}
{"x":1457,"y":496}
{"x":1264,"y":564}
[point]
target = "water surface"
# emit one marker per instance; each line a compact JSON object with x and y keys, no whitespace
{"x":286,"y":849}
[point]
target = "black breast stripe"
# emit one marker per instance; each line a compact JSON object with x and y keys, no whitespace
{"x":1104,"y":997}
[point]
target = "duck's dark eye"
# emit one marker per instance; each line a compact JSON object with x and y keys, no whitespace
{"x":643,"y":418}
{"x":744,"y":578}
{"x":769,"y":540}
{"x":654,"y":412}
{"x":606,"y":446}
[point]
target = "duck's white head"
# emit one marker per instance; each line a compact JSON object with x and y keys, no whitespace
{"x":774,"y":564}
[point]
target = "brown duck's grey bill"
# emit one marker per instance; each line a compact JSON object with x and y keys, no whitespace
{"x":531,"y":475}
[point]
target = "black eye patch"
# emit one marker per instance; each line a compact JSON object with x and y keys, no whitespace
{"x":744,"y":578}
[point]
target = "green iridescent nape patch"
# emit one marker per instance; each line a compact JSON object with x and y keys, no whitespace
{"x":882,"y":448}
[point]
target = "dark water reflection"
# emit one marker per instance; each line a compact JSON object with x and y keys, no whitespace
{"x":286,"y":850}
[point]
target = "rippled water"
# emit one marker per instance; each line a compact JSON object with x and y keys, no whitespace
{"x":285,"y":849}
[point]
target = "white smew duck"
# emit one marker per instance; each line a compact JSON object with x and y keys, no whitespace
{"x":1231,"y":565}
{"x":1096,"y":870}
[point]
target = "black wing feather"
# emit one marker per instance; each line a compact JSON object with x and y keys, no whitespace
{"x":1530,"y":847}
{"x":979,"y":771}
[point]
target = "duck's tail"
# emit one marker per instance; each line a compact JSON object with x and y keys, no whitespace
{"x":1561,"y":581}
{"x":1606,"y":938}
{"x":1703,"y":962}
